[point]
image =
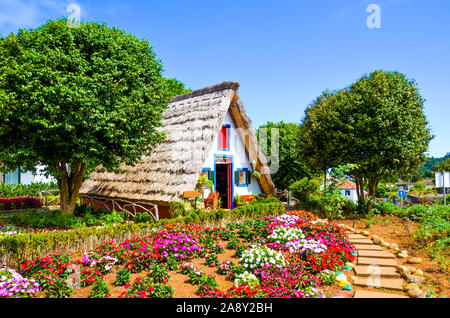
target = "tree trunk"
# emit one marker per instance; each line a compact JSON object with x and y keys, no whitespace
{"x":360,"y":189}
{"x":373,"y":183}
{"x":70,"y":179}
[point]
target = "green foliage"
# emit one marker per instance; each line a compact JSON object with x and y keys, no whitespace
{"x":158,"y":274}
{"x":162,"y":291}
{"x":328,"y":202}
{"x":290,"y":167}
{"x":386,"y":208}
{"x":74,"y":98}
{"x":431,"y":164}
{"x":238,"y":200}
{"x":434,"y":228}
{"x":143,"y":217}
{"x":30,"y":245}
{"x":171,"y":263}
{"x":327,"y":277}
{"x":22,"y":190}
{"x":59,"y":289}
{"x":305,"y":191}
{"x":434,"y":235}
{"x":176,"y":209}
{"x":383,"y":189}
{"x":377,"y":123}
{"x":55,"y":218}
{"x":123,"y":276}
{"x":100,"y":289}
{"x":176,"y":88}
{"x":421,"y":191}
{"x":444,"y":165}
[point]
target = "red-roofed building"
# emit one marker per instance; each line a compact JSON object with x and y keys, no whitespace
{"x":348,"y":189}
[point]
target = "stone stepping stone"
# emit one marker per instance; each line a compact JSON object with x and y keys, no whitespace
{"x":386,"y":283}
{"x":377,"y":261}
{"x":364,"y":241}
{"x":376,"y":254}
{"x":387,"y":272}
{"x":367,"y":247}
{"x":373,"y":294}
{"x":356,"y":236}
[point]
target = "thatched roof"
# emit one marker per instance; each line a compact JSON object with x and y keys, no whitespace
{"x":191,"y":122}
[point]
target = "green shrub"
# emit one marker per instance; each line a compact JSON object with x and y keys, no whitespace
{"x":434,"y":233}
{"x":176,"y":209}
{"x":162,"y":291}
{"x":305,"y":191}
{"x":158,"y":274}
{"x":417,"y":212}
{"x":100,"y":289}
{"x":22,"y":190}
{"x":59,"y":289}
{"x":123,"y":276}
{"x":143,"y":217}
{"x":113,"y":217}
{"x":386,"y":208}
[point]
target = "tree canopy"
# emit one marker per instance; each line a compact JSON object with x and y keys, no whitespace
{"x":290,"y":168}
{"x":76,"y":98}
{"x":377,"y":124}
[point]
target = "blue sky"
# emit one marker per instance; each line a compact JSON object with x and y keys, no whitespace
{"x":283,"y":53}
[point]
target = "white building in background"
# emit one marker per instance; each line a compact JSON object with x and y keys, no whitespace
{"x":20,"y":176}
{"x":348,"y":189}
{"x":442,"y":180}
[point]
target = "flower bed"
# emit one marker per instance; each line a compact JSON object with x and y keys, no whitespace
{"x":292,"y":255}
{"x":14,"y":285}
{"x":19,"y":203}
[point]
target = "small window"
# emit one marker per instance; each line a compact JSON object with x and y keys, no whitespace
{"x":242,"y":177}
{"x":12,"y":177}
{"x":347,"y":193}
{"x":209,"y":174}
{"x":224,"y":138}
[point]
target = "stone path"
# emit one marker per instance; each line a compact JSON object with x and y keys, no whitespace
{"x":371,"y":294}
{"x":376,"y":269}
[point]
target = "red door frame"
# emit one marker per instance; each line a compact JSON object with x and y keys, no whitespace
{"x":229,"y":182}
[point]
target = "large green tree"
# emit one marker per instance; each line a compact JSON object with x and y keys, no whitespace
{"x":76,"y":98}
{"x":290,"y":168}
{"x":377,"y":124}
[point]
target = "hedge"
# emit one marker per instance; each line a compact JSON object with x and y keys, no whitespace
{"x":31,"y":245}
{"x":19,"y":203}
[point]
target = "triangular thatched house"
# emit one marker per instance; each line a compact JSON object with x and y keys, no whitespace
{"x":207,"y":132}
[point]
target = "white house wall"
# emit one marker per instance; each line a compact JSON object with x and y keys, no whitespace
{"x":240,"y":159}
{"x":352,"y":196}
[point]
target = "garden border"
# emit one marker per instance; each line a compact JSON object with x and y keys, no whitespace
{"x":17,"y":248}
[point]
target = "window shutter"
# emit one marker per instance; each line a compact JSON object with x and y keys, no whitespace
{"x":211,"y":175}
{"x":236,"y":177}
{"x":249,"y":177}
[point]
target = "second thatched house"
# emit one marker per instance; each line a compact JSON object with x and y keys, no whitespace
{"x":207,"y":132}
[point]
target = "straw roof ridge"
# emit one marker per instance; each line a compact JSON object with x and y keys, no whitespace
{"x":207,"y":90}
